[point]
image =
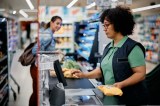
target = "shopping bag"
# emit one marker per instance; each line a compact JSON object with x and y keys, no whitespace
{"x":27,"y":58}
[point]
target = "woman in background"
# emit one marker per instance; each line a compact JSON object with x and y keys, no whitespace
{"x":47,"y":43}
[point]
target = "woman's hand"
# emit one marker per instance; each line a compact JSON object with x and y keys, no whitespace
{"x":78,"y":73}
{"x":119,"y":85}
{"x":96,"y":73}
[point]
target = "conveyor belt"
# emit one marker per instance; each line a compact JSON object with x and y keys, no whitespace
{"x":73,"y":83}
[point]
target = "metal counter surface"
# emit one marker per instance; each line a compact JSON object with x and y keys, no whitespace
{"x":81,"y":84}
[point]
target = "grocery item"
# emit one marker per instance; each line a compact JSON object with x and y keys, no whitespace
{"x":67,"y":73}
{"x":70,"y":64}
{"x":110,"y":90}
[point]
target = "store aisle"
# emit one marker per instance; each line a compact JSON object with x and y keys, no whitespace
{"x":22,"y":76}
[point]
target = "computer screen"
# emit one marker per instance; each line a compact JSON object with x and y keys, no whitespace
{"x":59,"y":73}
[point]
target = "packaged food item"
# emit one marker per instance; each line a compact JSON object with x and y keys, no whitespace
{"x":110,"y":90}
{"x":68,"y":73}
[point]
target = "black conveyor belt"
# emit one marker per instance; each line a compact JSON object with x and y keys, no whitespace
{"x":73,"y":83}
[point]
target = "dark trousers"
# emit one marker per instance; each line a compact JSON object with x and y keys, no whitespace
{"x":34,"y":97}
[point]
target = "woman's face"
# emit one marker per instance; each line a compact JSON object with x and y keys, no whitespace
{"x":56,"y":25}
{"x":109,"y":29}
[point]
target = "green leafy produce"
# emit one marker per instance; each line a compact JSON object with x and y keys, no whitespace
{"x":70,"y":64}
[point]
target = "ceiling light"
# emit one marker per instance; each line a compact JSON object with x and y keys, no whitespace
{"x":14,"y":12}
{"x":29,"y":10}
{"x":91,"y":5}
{"x":145,"y":8}
{"x":1,"y":9}
{"x":23,"y":13}
{"x":114,"y":0}
{"x":3,"y":20}
{"x":30,"y":4}
{"x":71,"y":3}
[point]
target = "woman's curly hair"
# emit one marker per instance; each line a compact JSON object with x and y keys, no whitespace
{"x":121,"y":18}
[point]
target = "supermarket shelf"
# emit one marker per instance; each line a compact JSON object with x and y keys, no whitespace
{"x":91,"y":21}
{"x":64,"y":47}
{"x":85,"y":40}
{"x":152,"y":61}
{"x":3,"y":78}
{"x":5,"y":57}
{"x":3,"y":87}
{"x":153,"y":50}
{"x":81,"y":33}
{"x":9,"y":37}
{"x":85,"y":48}
{"x":63,"y":35}
{"x":82,"y":54}
{"x":88,"y":38}
{"x":150,"y":41}
{"x":3,"y":98}
{"x":6,"y":101}
{"x":92,"y":30}
{"x":93,"y":26}
{"x":4,"y":68}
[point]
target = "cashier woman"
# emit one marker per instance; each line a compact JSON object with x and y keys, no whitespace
{"x":123,"y":60}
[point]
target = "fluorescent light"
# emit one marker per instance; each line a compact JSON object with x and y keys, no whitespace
{"x":114,"y":0}
{"x":14,"y":12}
{"x":90,"y":5}
{"x":3,"y":19}
{"x":1,"y":9}
{"x":71,"y":3}
{"x":30,"y":4}
{"x":27,"y":19}
{"x":29,"y":10}
{"x":23,"y":13}
{"x":145,"y":8}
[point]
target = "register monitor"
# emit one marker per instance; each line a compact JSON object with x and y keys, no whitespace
{"x":59,"y":73}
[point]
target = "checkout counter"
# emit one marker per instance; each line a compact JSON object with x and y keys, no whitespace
{"x":77,"y":91}
{"x":84,"y":91}
{"x":80,"y":91}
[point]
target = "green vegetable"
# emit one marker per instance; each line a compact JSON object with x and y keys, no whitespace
{"x":70,"y":64}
